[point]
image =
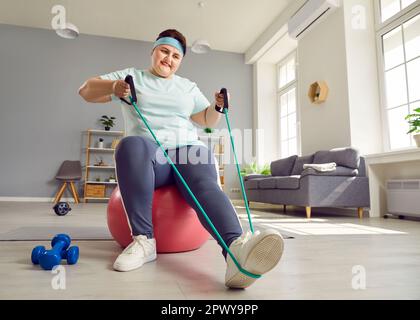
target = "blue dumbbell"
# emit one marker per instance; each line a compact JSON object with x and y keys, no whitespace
{"x":50,"y":258}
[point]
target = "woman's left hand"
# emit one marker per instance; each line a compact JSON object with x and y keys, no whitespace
{"x":219,"y":99}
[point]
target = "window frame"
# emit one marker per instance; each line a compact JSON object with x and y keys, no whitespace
{"x":378,"y":14}
{"x":283,"y":90}
{"x":383,"y":28}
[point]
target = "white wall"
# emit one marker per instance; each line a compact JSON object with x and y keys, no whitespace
{"x":42,"y":125}
{"x":322,"y":56}
{"x":342,"y":51}
{"x":265,"y":112}
{"x":345,"y":57}
{"x":362,"y":76}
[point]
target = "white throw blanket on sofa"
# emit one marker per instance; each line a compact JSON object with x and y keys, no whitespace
{"x":322,"y":167}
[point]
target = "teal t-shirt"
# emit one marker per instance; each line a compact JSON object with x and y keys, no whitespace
{"x":166,"y":104}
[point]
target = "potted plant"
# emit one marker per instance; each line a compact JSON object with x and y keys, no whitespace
{"x":209,"y":131}
{"x":414,"y":122}
{"x":254,"y":168}
{"x":108,"y":122}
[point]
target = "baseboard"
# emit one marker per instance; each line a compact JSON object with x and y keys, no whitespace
{"x":351,"y":212}
{"x":34,"y":199}
{"x":240,"y":202}
{"x":70,"y":200}
{"x":235,"y":202}
{"x":340,"y":211}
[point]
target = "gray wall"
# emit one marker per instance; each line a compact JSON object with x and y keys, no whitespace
{"x":42,"y":117}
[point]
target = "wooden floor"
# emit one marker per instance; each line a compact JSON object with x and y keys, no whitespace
{"x":312,"y":266}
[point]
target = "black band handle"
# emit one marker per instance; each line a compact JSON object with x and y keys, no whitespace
{"x":129,"y":80}
{"x":225,"y":101}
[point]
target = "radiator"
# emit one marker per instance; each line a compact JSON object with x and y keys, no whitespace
{"x":403,"y":197}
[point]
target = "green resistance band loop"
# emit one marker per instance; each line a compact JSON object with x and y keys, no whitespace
{"x":249,"y":274}
{"x":239,"y":172}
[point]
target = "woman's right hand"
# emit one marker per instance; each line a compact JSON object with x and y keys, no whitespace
{"x":121,"y":89}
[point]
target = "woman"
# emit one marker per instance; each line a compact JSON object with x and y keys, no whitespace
{"x":170,"y":104}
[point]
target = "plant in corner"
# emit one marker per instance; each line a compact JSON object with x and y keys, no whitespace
{"x":414,"y":122}
{"x":108,"y":122}
{"x":254,"y":168}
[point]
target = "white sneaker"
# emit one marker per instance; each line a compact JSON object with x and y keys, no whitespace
{"x":257,"y":253}
{"x":139,"y":252}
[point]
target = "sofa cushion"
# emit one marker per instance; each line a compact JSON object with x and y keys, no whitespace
{"x":268,"y":183}
{"x":283,"y":167}
{"x":346,"y":157}
{"x":253,"y":176}
{"x":340,"y":171}
{"x":291,"y":182}
{"x":251,"y":184}
{"x":300,"y":161}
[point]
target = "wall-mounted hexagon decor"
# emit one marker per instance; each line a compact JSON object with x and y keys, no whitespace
{"x":318,"y":92}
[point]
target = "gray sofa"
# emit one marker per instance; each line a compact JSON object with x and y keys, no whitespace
{"x":290,"y":184}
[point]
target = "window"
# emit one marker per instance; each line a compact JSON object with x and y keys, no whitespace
{"x":400,"y":48}
{"x":287,"y":105}
{"x":390,"y":8}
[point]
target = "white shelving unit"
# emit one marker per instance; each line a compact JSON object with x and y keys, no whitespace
{"x":217,"y":145}
{"x":91,"y":169}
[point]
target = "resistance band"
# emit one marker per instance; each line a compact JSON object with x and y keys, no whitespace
{"x":133,"y":100}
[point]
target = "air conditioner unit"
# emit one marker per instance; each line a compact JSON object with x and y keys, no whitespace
{"x":309,"y":14}
{"x":403,"y":197}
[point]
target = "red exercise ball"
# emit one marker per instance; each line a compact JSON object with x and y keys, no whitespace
{"x":176,"y":226}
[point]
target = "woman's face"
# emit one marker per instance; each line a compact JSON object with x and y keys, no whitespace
{"x":166,"y":60}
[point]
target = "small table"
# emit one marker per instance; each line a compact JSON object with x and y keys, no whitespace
{"x":402,"y":164}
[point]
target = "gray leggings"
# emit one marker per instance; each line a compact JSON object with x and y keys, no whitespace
{"x":142,"y":168}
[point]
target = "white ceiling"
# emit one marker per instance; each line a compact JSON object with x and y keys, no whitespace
{"x":229,"y":25}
